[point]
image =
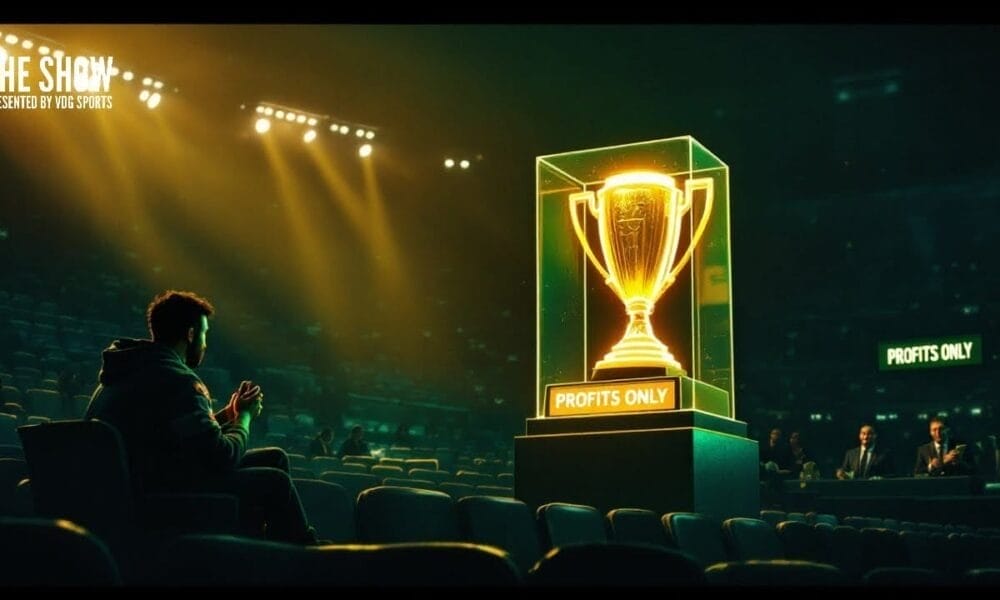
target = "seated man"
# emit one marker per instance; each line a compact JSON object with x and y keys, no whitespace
{"x":799,"y":455}
{"x":150,"y":393}
{"x":402,"y":436}
{"x":866,"y":460}
{"x":775,"y":456}
{"x":320,"y":445}
{"x":943,"y":455}
{"x":354,"y":445}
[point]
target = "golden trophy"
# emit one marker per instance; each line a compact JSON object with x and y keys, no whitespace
{"x":639,"y":218}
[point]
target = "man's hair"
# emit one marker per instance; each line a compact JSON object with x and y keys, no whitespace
{"x":936,"y":419}
{"x":171,"y":314}
{"x":863,"y":425}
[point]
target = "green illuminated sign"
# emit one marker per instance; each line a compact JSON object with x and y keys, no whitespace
{"x":931,"y":353}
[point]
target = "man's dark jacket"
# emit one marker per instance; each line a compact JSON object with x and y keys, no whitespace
{"x":164,"y":414}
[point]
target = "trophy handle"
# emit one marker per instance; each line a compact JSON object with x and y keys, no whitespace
{"x":707,"y":184}
{"x":684,"y":203}
{"x":575,"y":200}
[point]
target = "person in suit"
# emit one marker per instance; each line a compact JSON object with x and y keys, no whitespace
{"x":943,"y":455}
{"x":321,"y":445}
{"x":354,"y":445}
{"x":867,"y":460}
{"x":775,"y":466}
{"x":775,"y":451}
{"x":799,"y":455}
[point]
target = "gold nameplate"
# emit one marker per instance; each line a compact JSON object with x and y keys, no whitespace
{"x":611,"y":397}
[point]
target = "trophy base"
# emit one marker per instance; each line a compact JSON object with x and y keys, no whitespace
{"x":609,"y":373}
{"x":676,"y":461}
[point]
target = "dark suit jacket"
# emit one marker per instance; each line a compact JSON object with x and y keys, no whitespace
{"x":780,"y":454}
{"x":926,"y":453}
{"x":879,"y":463}
{"x":318,"y":447}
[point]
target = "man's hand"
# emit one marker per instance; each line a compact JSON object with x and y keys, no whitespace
{"x":951,"y":456}
{"x":247,"y":397}
{"x":935,"y":464}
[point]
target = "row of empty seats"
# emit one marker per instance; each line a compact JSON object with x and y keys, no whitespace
{"x":329,"y":462}
{"x":856,"y":552}
{"x":387,"y":514}
{"x":43,"y":403}
{"x":776,"y":516}
{"x":402,"y":530}
{"x":26,"y":558}
{"x":357,"y":482}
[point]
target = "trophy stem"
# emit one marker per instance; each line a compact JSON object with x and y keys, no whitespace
{"x":639,"y":325}
{"x":639,"y":348}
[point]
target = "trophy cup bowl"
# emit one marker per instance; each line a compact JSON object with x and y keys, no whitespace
{"x":639,"y":218}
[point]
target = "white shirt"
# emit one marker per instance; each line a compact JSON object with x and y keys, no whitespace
{"x":940,"y":449}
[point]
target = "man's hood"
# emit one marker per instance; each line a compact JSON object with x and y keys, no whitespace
{"x":126,"y":357}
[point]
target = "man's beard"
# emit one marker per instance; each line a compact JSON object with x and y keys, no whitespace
{"x":192,"y":355}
